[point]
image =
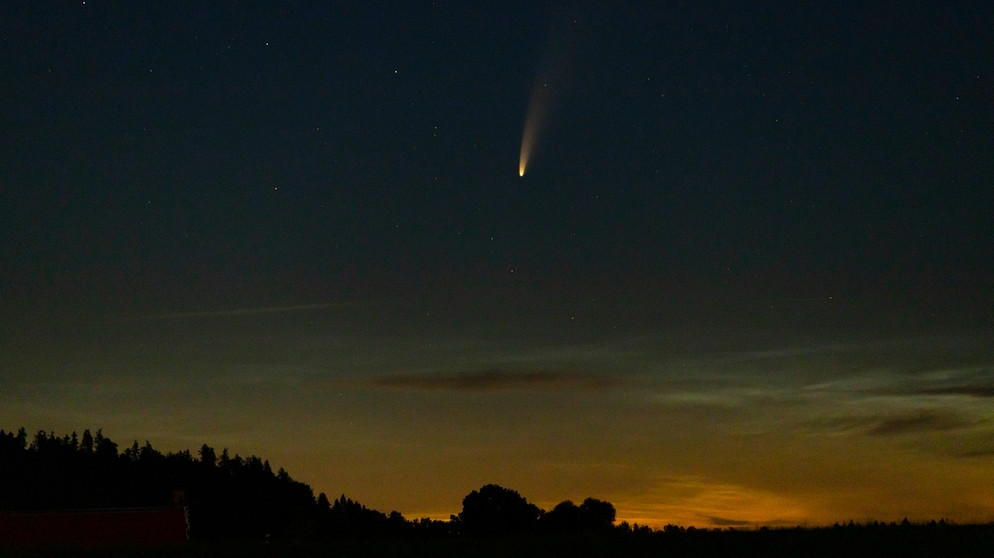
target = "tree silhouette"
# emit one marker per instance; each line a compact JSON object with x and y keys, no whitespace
{"x":105,"y":447}
{"x":207,"y":456}
{"x":592,"y":515}
{"x":86,"y":444}
{"x":597,"y":515}
{"x":495,"y":510}
{"x":564,"y":518}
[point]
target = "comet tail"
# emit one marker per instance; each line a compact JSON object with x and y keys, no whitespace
{"x":537,"y":109}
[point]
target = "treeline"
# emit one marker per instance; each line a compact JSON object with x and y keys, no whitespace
{"x":227,"y":497}
{"x":243,"y":498}
{"x":236,"y":499}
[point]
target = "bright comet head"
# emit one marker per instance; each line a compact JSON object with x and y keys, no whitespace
{"x":526,"y":147}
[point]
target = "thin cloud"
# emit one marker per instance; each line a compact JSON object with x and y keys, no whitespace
{"x":250,"y":311}
{"x":497,"y":380}
{"x":895,"y":424}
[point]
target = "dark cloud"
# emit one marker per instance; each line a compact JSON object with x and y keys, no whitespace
{"x":921,"y":421}
{"x":979,"y":452}
{"x":726,"y":522}
{"x":718,"y":521}
{"x":497,"y":380}
{"x":968,"y":390}
{"x":951,"y":379}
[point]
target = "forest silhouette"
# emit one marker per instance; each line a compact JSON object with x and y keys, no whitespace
{"x":234,"y":500}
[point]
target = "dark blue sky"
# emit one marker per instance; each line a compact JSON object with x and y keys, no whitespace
{"x":705,"y":139}
{"x":272,"y":214}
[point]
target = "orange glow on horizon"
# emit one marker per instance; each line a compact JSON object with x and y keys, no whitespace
{"x":701,"y":503}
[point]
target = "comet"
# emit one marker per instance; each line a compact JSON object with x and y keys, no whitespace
{"x":554,"y":71}
{"x":538,"y":108}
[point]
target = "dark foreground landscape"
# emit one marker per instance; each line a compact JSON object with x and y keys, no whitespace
{"x":78,"y":495}
{"x":862,"y":541}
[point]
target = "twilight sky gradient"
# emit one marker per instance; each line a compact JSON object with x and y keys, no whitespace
{"x":745,"y":280}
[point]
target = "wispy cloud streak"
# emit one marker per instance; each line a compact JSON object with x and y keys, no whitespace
{"x":249,"y":311}
{"x":497,"y":380}
{"x":895,"y":424}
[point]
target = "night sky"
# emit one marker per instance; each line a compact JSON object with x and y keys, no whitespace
{"x":745,"y":279}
